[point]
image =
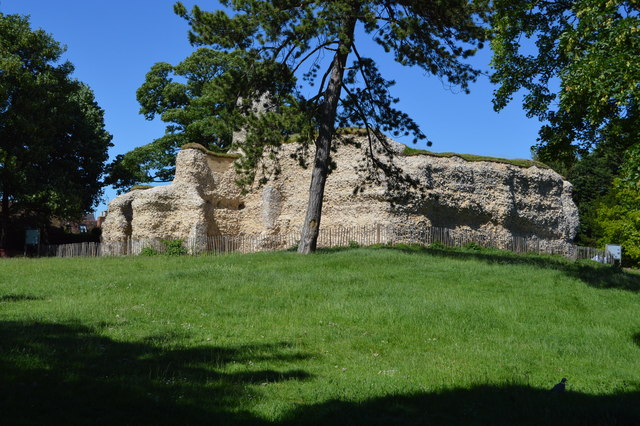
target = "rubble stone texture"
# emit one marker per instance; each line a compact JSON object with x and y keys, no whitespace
{"x":486,"y":197}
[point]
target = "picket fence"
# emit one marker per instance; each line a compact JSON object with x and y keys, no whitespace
{"x":334,"y":237}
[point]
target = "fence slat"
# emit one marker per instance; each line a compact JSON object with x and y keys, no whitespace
{"x":333,"y":237}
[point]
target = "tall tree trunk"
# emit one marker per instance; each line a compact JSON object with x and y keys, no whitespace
{"x":311,"y":228}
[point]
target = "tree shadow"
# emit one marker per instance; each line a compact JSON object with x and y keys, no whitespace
{"x":591,"y":273}
{"x":18,"y":298}
{"x":636,"y":339}
{"x":480,"y":405}
{"x":68,"y":374}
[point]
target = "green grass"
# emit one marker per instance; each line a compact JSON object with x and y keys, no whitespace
{"x":472,"y":157}
{"x":354,"y":336}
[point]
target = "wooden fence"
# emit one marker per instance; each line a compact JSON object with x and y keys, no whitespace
{"x":335,"y":237}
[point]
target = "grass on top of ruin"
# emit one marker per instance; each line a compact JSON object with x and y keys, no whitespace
{"x":402,"y":335}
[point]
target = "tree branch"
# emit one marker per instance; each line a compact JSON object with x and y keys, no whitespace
{"x":315,"y":50}
{"x":363,"y":116}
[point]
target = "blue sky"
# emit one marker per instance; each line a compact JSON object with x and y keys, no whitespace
{"x":113,"y":44}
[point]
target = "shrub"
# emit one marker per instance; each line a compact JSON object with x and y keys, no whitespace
{"x":354,"y":244}
{"x":148,"y":251}
{"x":473,"y":246}
{"x":437,"y":245}
{"x":174,"y":248}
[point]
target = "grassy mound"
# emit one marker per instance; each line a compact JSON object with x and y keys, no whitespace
{"x":355,"y":336}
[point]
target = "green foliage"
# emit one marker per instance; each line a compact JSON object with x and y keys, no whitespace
{"x":473,"y":246}
{"x":617,"y":221}
{"x":437,"y":245}
{"x":592,"y":178}
{"x":630,"y":169}
{"x":588,"y":46}
{"x":201,"y":100}
{"x":388,"y":337}
{"x":148,"y":251}
{"x":174,"y":247}
{"x":53,"y":144}
{"x":354,"y":244}
{"x":587,"y":49}
{"x":471,"y":157}
{"x":201,"y":148}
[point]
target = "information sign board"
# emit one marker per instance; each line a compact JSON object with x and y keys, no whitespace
{"x":32,"y":237}
{"x":615,"y":251}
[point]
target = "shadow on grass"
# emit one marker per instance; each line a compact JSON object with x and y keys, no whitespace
{"x":591,"y":273}
{"x":481,"y":405}
{"x":67,"y":374}
{"x":636,"y":339}
{"x":18,"y":298}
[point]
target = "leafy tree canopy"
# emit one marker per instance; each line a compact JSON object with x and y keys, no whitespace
{"x":201,"y":100}
{"x":53,"y":144}
{"x":617,"y":220}
{"x":587,"y":49}
{"x":577,"y":62}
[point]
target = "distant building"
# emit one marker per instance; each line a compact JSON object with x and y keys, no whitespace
{"x":101,"y":218}
{"x":87,"y":223}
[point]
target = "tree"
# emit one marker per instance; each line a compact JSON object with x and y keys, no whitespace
{"x":53,"y":144}
{"x":617,"y":219}
{"x":614,"y":216}
{"x":576,"y":61}
{"x":201,"y":107}
{"x":587,"y":49}
{"x":276,"y":43}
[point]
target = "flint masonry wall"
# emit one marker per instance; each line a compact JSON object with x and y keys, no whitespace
{"x":483,"y":196}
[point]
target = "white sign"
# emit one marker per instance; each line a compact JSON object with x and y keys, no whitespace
{"x":615,"y":251}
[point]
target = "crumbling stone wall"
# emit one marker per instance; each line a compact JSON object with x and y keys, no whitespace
{"x":484,"y":197}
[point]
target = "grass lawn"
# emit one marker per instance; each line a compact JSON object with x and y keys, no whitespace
{"x":357,"y":336}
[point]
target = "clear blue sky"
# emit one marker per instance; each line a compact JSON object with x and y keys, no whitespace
{"x":114,"y":43}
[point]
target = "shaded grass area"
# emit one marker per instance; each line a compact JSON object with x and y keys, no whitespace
{"x":407,"y":335}
{"x":480,"y":405}
{"x":589,"y":272}
{"x":80,"y":377}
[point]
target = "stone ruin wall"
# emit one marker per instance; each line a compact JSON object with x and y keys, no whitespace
{"x":484,"y":197}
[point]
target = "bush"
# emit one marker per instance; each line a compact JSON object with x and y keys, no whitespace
{"x":473,"y":246}
{"x":174,"y":248}
{"x":354,"y":244}
{"x":437,"y":245}
{"x":148,"y":251}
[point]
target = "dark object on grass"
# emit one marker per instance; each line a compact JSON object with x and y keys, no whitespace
{"x":560,"y":387}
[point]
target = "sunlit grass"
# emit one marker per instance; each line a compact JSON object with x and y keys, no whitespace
{"x":271,"y":337}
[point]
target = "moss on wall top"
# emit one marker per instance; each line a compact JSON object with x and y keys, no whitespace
{"x":470,"y":157}
{"x":199,"y":147}
{"x":408,"y":151}
{"x":140,"y":187}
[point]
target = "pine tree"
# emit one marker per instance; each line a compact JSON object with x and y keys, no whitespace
{"x":277,"y":43}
